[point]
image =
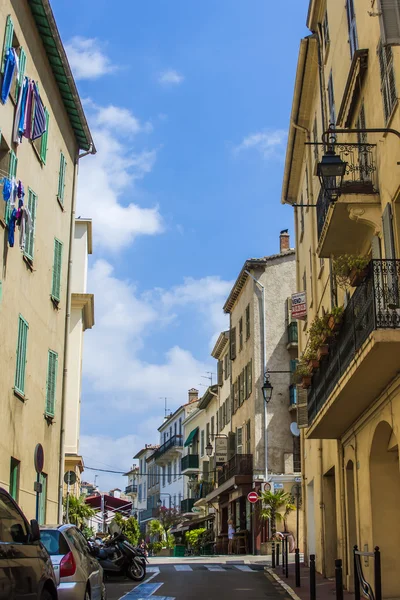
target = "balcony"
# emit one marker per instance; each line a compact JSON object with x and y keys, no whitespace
{"x":190,"y":464}
{"x":364,"y":356}
{"x":131,"y":489}
{"x":147,"y":514}
{"x":347,"y":225}
{"x":170,"y":450}
{"x":292,"y":335}
{"x":187,"y":505}
{"x":240,"y":464}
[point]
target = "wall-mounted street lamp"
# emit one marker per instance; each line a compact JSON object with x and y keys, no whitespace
{"x":331,"y":171}
{"x":267,"y":387}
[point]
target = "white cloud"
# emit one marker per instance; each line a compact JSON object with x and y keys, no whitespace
{"x":87,"y":59}
{"x":170,"y":77}
{"x":106,"y":185}
{"x":267,"y":143}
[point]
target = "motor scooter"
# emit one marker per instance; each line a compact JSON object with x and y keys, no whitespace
{"x":118,"y":556}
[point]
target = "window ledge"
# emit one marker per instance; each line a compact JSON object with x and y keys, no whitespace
{"x":61,"y":204}
{"x":19,"y":395}
{"x":28,"y":262}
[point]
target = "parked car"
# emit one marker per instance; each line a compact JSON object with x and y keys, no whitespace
{"x":78,"y":573}
{"x":26,"y":571}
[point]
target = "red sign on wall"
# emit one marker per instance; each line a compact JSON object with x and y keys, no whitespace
{"x":253,"y":497}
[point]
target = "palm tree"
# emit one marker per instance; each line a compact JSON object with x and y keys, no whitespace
{"x":78,"y":510}
{"x":273,"y":503}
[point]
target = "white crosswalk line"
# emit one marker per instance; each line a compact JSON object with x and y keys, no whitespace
{"x":152,"y":570}
{"x":244,"y":568}
{"x":183,"y":568}
{"x":214,"y":568}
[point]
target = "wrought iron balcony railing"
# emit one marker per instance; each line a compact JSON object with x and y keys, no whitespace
{"x":131,"y":489}
{"x":190,"y":461}
{"x":292,"y":334}
{"x":360,"y":176}
{"x":375,"y":304}
{"x":148,"y":513}
{"x":240,"y":464}
{"x":174,"y":441}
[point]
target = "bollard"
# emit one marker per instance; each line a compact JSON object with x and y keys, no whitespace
{"x":277,"y":554}
{"x":297,"y":566}
{"x":313,"y":583}
{"x":339,"y":579}
{"x":286,"y":557}
{"x":357,"y":594}
{"x":283,"y":557}
{"x":273,"y":555}
{"x":377,"y":574}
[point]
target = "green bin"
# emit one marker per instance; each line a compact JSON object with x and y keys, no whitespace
{"x":179,"y":550}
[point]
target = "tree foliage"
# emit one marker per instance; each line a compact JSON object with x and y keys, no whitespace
{"x":195,"y":538}
{"x":156,"y":529}
{"x":276,"y":506}
{"x":78,"y":511}
{"x":129,"y":527}
{"x":168,"y":517}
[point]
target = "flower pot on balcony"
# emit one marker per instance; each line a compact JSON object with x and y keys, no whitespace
{"x":357,"y":277}
{"x":313,"y":364}
{"x":306,"y":382}
{"x":322,"y":351}
{"x":333,"y":324}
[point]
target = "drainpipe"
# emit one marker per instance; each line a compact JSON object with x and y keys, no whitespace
{"x":66,"y":336}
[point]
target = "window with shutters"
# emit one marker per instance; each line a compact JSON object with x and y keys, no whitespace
{"x":248,"y":437}
{"x":351,"y":24}
{"x":388,"y":84}
{"x":22,"y":343}
{"x":14,"y":478}
{"x":220,"y":369}
{"x":220,"y":419}
{"x":30,"y":232}
{"x":315,"y":139}
{"x":245,"y":380}
{"x":233,"y":343}
{"x":389,"y":16}
{"x":236,"y":394}
{"x":250,"y":378}
{"x":226,"y":373}
{"x":12,"y":173}
{"x":8,"y":40}
{"x":170,"y":469}
{"x":239,"y":440}
{"x":21,"y":74}
{"x":40,"y":143}
{"x":331,"y":101}
{"x":61,"y":179}
{"x":212,"y":426}
{"x":325,"y":32}
{"x":202,"y":444}
{"x":241,"y":388}
{"x":207,"y":433}
{"x":51,"y":385}
{"x":240,"y":334}
{"x":57,"y":263}
{"x":247,"y":321}
{"x":228,"y":409}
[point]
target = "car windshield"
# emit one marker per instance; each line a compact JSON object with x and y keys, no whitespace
{"x":54,"y":541}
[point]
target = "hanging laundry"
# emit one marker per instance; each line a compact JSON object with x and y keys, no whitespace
{"x":39,"y":119}
{"x":9,"y":69}
{"x":28,"y":112}
{"x":20,"y":190}
{"x":6,"y":189}
{"x":26,"y":225}
{"x":11,"y":228}
{"x":21,"y":123}
{"x":17,"y":117}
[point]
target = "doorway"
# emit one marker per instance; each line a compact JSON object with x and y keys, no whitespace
{"x":351,"y":523}
{"x":310,"y":519}
{"x":330,"y":521}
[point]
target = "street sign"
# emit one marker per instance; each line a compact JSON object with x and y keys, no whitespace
{"x":70,"y":478}
{"x":267,"y":487}
{"x":39,"y":458}
{"x":278,"y":486}
{"x":221,"y":450}
{"x":253,"y":497}
{"x":196,"y":510}
{"x":299,"y":306}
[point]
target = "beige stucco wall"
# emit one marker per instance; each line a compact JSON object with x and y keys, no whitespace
{"x":27,"y":292}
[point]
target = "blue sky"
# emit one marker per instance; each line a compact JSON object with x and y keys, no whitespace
{"x":189,"y":104}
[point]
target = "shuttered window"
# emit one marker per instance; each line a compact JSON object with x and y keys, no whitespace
{"x":351,"y":23}
{"x":12,"y":173}
{"x":248,"y":437}
{"x":21,"y":75}
{"x":8,"y":39}
{"x":302,"y":408}
{"x":239,"y":440}
{"x":51,"y":384}
{"x":44,"y":138}
{"x":233,"y":343}
{"x":57,"y":261}
{"x":228,"y":409}
{"x":220,"y":372}
{"x":388,"y":85}
{"x":21,"y":355}
{"x":331,"y":101}
{"x":202,"y":445}
{"x":246,"y":392}
{"x":61,"y":178}
{"x":250,"y":378}
{"x":240,"y":333}
{"x":247,"y":321}
{"x":30,"y":233}
{"x":389,"y":13}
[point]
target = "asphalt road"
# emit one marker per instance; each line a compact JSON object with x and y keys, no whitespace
{"x":199,"y":582}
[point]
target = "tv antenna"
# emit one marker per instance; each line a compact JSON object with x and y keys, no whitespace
{"x":165,"y":405}
{"x":209,"y":376}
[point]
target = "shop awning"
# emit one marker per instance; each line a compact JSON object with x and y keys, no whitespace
{"x":191,"y":437}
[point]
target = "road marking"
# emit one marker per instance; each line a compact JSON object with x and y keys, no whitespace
{"x":143,"y":590}
{"x":244,"y":568}
{"x":153,"y":570}
{"x":183,"y":568}
{"x":214,"y":568}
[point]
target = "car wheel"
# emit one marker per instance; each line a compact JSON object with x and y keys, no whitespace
{"x":136,"y":571}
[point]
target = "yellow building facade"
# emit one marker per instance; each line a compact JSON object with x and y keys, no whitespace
{"x":348,"y":76}
{"x":35,"y":278}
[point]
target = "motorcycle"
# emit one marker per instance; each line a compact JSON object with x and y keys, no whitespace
{"x":117,"y":556}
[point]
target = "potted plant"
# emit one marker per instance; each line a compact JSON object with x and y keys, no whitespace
{"x":303,"y":374}
{"x":350,"y":269}
{"x":310,"y":357}
{"x":319,"y":334}
{"x":335,"y":318}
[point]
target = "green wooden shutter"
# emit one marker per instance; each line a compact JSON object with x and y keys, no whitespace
{"x":30,"y":234}
{"x":21,"y":355}
{"x":21,"y":75}
{"x":43,"y":144}
{"x":14,"y":471}
{"x":389,"y":16}
{"x":52,"y":366}
{"x":61,"y":178}
{"x":8,"y":38}
{"x":56,"y":284}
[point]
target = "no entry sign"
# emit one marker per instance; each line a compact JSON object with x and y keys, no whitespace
{"x":253,"y":497}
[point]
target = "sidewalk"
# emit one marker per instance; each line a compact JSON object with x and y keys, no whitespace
{"x":326,"y":589}
{"x":239,"y":559}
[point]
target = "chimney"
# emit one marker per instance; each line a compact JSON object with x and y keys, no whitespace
{"x":193,"y":395}
{"x":284,"y":241}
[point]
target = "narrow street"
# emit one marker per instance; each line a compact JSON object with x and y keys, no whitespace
{"x":212,"y":581}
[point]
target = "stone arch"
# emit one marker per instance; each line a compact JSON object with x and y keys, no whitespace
{"x":385,"y":502}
